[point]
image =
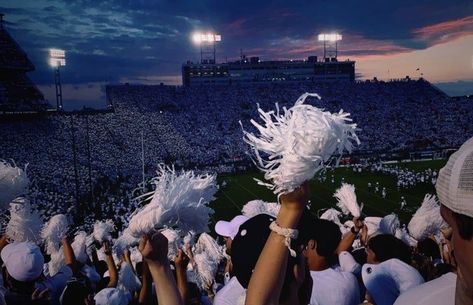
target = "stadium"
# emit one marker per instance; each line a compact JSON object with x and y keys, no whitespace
{"x":93,"y":164}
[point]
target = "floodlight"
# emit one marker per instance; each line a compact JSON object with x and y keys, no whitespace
{"x":57,"y":57}
{"x":330,"y":37}
{"x":205,"y":37}
{"x":57,"y":62}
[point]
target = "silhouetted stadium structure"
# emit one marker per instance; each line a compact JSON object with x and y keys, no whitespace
{"x":17,"y":91}
{"x":254,"y":70}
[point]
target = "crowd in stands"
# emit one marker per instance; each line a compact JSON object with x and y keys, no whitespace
{"x":198,"y":127}
{"x":272,"y":256}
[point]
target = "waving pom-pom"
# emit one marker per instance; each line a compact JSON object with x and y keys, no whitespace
{"x":207,"y":244}
{"x":405,"y":237}
{"x":347,"y":200}
{"x":206,"y":270}
{"x":427,"y":219}
{"x":173,"y":242}
{"x":56,"y":262}
{"x":13,"y":183}
{"x":103,"y":230}
{"x":79,"y":245}
{"x":124,"y":241}
{"x":25,"y":224}
{"x":127,"y":278}
{"x":53,"y":231}
{"x":373,"y":225}
{"x":389,"y":224}
{"x":256,"y":207}
{"x":294,"y":145}
{"x":178,"y":201}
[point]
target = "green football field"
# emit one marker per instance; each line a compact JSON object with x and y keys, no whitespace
{"x":241,"y":188}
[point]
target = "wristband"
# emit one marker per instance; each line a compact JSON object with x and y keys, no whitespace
{"x":288,"y":235}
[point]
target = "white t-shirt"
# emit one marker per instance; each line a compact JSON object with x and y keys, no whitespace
{"x":231,"y":294}
{"x":56,"y":283}
{"x":334,"y":287}
{"x":440,"y":291}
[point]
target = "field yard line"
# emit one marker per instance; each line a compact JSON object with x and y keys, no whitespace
{"x":250,"y":192}
{"x":233,"y":202}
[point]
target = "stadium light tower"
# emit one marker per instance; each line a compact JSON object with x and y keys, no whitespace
{"x":330,"y":44}
{"x":207,"y":42}
{"x":57,"y":59}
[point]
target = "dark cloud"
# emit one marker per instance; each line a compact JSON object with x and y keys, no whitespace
{"x":134,"y":39}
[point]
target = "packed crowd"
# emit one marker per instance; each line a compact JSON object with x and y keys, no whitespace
{"x":199,"y":127}
{"x":270,"y":254}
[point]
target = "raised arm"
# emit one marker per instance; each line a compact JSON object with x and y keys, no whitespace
{"x":154,"y":249}
{"x":268,"y":278}
{"x":112,"y":268}
{"x":350,"y":237}
{"x":69,"y":257}
{"x":181,"y":262}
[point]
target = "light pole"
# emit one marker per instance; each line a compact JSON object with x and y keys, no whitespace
{"x":57,"y":59}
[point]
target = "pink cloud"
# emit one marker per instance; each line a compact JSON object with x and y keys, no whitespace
{"x":445,"y":31}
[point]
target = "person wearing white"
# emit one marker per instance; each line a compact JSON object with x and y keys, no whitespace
{"x":440,"y":291}
{"x":230,"y":294}
{"x":333,"y":286}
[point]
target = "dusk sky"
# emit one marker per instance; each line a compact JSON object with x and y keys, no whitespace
{"x":140,"y":41}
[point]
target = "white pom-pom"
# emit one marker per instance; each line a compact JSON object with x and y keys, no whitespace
{"x":13,"y":183}
{"x":401,"y":233}
{"x":332,"y":215}
{"x":25,"y":224}
{"x":124,"y":241}
{"x":296,"y":144}
{"x":389,"y":224}
{"x":347,"y":200}
{"x":373,"y":224}
{"x":103,"y":230}
{"x":56,"y":262}
{"x":135,"y":256}
{"x":256,"y":207}
{"x":206,"y":268}
{"x":207,"y":244}
{"x":427,"y":219}
{"x":173,"y":242}
{"x":179,"y":200}
{"x":127,"y":278}
{"x":53,"y":231}
{"x":189,"y":239}
{"x":79,"y":246}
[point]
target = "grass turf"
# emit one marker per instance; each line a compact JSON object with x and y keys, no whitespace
{"x":241,"y":188}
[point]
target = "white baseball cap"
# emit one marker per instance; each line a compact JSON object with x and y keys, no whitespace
{"x":230,"y":228}
{"x":111,"y":296}
{"x":387,"y":280}
{"x":455,"y":181}
{"x":23,"y":260}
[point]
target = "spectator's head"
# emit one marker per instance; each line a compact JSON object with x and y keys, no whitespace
{"x":382,"y":247}
{"x":228,"y":230}
{"x":429,"y":248}
{"x":23,"y":262}
{"x":111,"y":296}
{"x":321,"y":245}
{"x":455,"y":191}
{"x":76,"y":292}
{"x":250,"y":241}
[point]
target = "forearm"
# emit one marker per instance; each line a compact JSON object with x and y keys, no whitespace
{"x":346,"y":242}
{"x":112,"y":270}
{"x":268,"y":278}
{"x":145,"y":291}
{"x":69,"y":257}
{"x":166,"y":290}
{"x":181,"y":279}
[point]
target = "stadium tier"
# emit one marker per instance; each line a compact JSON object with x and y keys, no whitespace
{"x":199,"y":127}
{"x":253,"y":70}
{"x":17,"y":91}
